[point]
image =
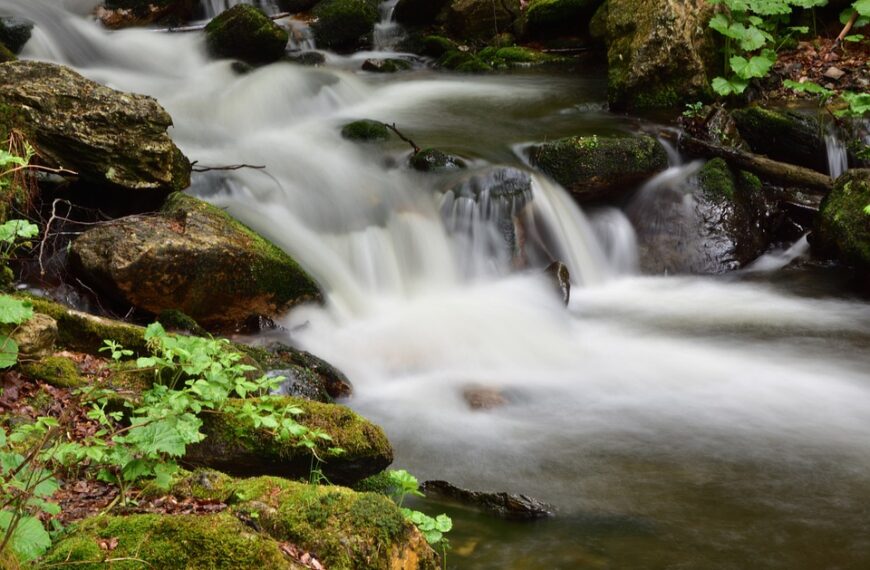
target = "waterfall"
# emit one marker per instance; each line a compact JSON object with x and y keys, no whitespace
{"x":388,"y":33}
{"x":838,"y":156}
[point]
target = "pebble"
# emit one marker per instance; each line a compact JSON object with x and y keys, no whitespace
{"x":834,"y":73}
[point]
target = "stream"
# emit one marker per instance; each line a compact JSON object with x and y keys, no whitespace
{"x":673,"y":421}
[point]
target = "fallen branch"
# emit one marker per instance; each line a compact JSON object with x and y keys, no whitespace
{"x":403,"y":137}
{"x":847,"y":28}
{"x":773,"y":171}
{"x":200,"y":27}
{"x":195,"y":168}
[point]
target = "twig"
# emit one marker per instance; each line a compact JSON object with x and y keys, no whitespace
{"x":45,"y":232}
{"x":107,"y":562}
{"x":403,"y":137}
{"x":847,"y":28}
{"x":230,"y":167}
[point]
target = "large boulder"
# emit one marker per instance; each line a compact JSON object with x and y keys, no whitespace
{"x":216,"y":541}
{"x":843,"y":225}
{"x":658,"y":51}
{"x":419,"y":12}
{"x":719,"y":221}
{"x":783,"y":135}
{"x":549,"y":18}
{"x":246,"y":33}
{"x":111,"y":139}
{"x":597,"y":168}
{"x":346,"y":530}
{"x":234,"y":445}
{"x":480,"y":20}
{"x":195,"y":258}
{"x":344,"y":24}
{"x":14,"y":33}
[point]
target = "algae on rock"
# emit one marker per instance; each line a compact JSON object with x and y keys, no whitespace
{"x":244,"y":32}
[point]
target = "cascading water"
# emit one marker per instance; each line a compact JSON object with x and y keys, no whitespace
{"x":388,"y":33}
{"x":838,"y":156}
{"x":668,"y":419}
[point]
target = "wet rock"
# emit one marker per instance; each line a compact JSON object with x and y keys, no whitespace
{"x":311,"y":58}
{"x":174,"y":260}
{"x":433,"y":160}
{"x":246,"y":33}
{"x":365,"y":130}
{"x":719,"y":221}
{"x":6,"y":55}
{"x":112,"y":139}
{"x":311,"y":373}
{"x":419,"y":12}
{"x":561,"y":278}
{"x":436,"y":46}
{"x":551,"y":18}
{"x":484,"y":397}
{"x":344,"y":529}
{"x":658,"y":51}
{"x":598,"y":168}
{"x":843,"y":224}
{"x":218,"y":541}
{"x":505,"y":505}
{"x":344,"y":24}
{"x":14,"y":33}
{"x":385,"y":65}
{"x":117,"y":14}
{"x":783,"y":135}
{"x":463,"y":61}
{"x":514,"y":56}
{"x":36,"y":336}
{"x":480,"y":19}
{"x":234,"y":445}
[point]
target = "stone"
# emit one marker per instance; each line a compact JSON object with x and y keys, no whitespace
{"x":36,"y":336}
{"x":483,"y":397}
{"x":234,"y":445}
{"x":111,"y":139}
{"x":783,"y":135}
{"x":344,"y":24}
{"x":14,"y":33}
{"x":365,"y":130}
{"x":244,"y":32}
{"x":558,"y":273}
{"x":842,"y":228}
{"x":480,"y":20}
{"x":834,"y":73}
{"x":117,"y":14}
{"x":434,"y":160}
{"x":385,"y":65}
{"x":599,"y":168}
{"x":504,"y":505}
{"x":659,"y":52}
{"x":194,"y":258}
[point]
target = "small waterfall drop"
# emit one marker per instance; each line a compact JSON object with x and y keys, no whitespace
{"x":388,"y":33}
{"x":838,"y":156}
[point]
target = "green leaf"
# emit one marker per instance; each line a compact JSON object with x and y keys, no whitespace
{"x":14,"y":311}
{"x":8,"y":352}
{"x":726,"y":87}
{"x":862,"y":7}
{"x":443,"y":523}
{"x":854,"y":38}
{"x":756,"y":66}
{"x":29,"y":540}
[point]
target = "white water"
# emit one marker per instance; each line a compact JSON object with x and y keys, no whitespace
{"x":838,"y":157}
{"x":641,"y":366}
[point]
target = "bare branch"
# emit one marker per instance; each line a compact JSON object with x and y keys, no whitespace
{"x":403,"y":137}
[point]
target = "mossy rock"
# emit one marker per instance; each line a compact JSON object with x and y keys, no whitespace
{"x":365,"y":130}
{"x":174,"y":260}
{"x":55,"y":370}
{"x":343,"y":24}
{"x":113,"y":140}
{"x":244,"y":32}
{"x":596,"y":168}
{"x":513,"y":56}
{"x":14,"y":33}
{"x":783,"y":135}
{"x":436,"y":46}
{"x":183,"y":542}
{"x":660,"y":53}
{"x":174,"y":320}
{"x":234,"y":445}
{"x":480,"y":20}
{"x":434,"y":160}
{"x":6,"y":54}
{"x":390,"y":65}
{"x":843,"y":224}
{"x":548,"y":18}
{"x":463,"y":61}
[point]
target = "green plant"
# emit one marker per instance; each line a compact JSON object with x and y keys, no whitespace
{"x":404,"y":484}
{"x":694,"y":110}
{"x":752,"y":32}
{"x":13,"y":313}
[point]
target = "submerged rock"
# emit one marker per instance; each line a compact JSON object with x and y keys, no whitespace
{"x":343,"y":24}
{"x":246,"y":33}
{"x":434,"y":160}
{"x":550,"y":18}
{"x":783,"y":135}
{"x":216,"y":541}
{"x":505,"y":505}
{"x":234,"y":445}
{"x":385,"y":65}
{"x":480,"y":19}
{"x":195,"y":258}
{"x":365,"y":130}
{"x":720,"y":221}
{"x":599,"y":168}
{"x":14,"y":33}
{"x":658,"y":51}
{"x":484,"y":397}
{"x":561,"y":278}
{"x":111,"y":139}
{"x":843,"y":223}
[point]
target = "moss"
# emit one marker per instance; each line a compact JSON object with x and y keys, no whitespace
{"x":433,"y":160}
{"x":843,"y":227}
{"x":783,"y":135}
{"x":245,"y":32}
{"x":173,"y":319}
{"x":464,"y":62}
{"x":235,"y":445}
{"x":169,"y":542}
{"x":365,"y":130}
{"x":715,"y":179}
{"x":341,"y":24}
{"x":55,"y":370}
{"x":377,"y":483}
{"x":6,"y":54}
{"x":436,"y":46}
